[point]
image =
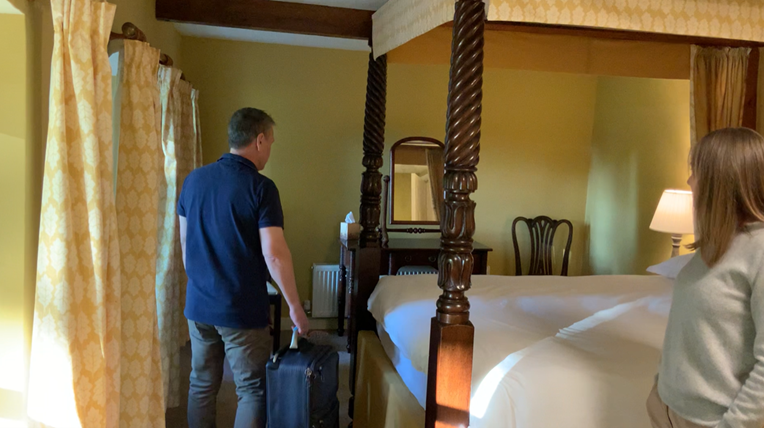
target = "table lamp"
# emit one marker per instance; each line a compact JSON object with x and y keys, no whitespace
{"x":674,"y":215}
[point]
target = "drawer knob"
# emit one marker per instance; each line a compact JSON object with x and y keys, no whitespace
{"x":407,"y":259}
{"x":432,"y":259}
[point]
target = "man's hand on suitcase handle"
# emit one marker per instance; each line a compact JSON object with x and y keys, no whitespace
{"x":293,"y":345}
{"x":279,"y":260}
{"x":300,"y":320}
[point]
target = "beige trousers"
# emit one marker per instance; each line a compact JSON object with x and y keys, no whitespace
{"x":663,"y":417}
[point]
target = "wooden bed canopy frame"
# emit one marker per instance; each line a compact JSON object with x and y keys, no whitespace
{"x":451,"y":333}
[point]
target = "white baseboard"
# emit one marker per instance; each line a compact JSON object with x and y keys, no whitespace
{"x":315,"y":324}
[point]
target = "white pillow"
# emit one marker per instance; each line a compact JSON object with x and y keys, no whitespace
{"x":671,"y":267}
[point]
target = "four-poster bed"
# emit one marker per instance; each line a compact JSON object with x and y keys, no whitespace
{"x":451,"y":337}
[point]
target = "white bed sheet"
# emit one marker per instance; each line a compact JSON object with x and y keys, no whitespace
{"x":415,"y":380}
{"x":549,"y":351}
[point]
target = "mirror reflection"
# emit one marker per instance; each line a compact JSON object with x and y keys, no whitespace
{"x":417,"y":181}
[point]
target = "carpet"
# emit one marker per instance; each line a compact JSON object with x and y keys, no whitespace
{"x":227,"y":400}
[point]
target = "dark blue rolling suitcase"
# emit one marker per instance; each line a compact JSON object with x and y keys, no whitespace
{"x":301,"y":386}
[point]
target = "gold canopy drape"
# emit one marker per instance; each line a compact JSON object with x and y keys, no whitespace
{"x":399,"y":21}
{"x":436,"y":168}
{"x":718,"y":83}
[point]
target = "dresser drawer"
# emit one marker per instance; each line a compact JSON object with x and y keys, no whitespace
{"x":394,"y":260}
{"x":398,"y":259}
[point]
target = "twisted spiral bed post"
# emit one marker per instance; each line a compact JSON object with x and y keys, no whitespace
{"x":365,"y":261}
{"x":373,"y":146}
{"x":452,"y":334}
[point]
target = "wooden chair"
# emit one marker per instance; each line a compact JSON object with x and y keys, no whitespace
{"x":542,"y":230}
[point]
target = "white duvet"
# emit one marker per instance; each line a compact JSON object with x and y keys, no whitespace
{"x":549,"y":351}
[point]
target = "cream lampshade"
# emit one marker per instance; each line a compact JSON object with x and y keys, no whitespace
{"x":674,"y":216}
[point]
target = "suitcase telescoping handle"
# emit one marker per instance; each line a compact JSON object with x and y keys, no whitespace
{"x":294,"y":345}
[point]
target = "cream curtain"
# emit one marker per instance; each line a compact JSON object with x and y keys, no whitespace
{"x":197,"y":129}
{"x":436,"y":167}
{"x":189,"y":153}
{"x":75,"y":360}
{"x":169,"y":304}
{"x":137,"y":206}
{"x":717,"y":88}
{"x":181,"y":145}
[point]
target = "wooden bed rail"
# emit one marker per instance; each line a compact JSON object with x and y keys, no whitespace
{"x":449,"y":375}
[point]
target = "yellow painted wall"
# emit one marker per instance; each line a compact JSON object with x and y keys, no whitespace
{"x":401,"y":197}
{"x":536,"y":139}
{"x":15,"y":313}
{"x":534,"y":157}
{"x":316,"y":97}
{"x":640,"y":147}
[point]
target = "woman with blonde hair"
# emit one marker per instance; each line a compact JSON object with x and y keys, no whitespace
{"x":712,"y":368}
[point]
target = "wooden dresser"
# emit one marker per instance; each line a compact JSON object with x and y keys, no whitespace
{"x":397,"y":254}
{"x":424,"y":252}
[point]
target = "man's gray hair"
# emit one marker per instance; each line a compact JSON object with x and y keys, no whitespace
{"x":245,"y":125}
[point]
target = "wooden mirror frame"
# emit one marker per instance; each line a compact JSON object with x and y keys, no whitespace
{"x":391,"y":200}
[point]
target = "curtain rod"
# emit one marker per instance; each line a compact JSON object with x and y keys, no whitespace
{"x":131,"y":32}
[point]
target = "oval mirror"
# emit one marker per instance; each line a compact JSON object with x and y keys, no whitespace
{"x":416,"y":173}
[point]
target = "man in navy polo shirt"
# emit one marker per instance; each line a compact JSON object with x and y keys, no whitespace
{"x":231,"y":232}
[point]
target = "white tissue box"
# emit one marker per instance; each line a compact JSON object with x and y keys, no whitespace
{"x":349,"y":231}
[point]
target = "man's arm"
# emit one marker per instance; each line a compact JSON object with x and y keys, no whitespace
{"x":279,"y":261}
{"x":183,"y":225}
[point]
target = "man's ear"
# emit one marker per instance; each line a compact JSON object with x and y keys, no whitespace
{"x":259,"y":141}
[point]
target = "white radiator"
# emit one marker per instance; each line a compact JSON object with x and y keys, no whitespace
{"x":326,"y":283}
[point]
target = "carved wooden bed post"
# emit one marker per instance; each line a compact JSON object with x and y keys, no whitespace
{"x":369,"y":252}
{"x":452,"y":334}
{"x":373,"y":146}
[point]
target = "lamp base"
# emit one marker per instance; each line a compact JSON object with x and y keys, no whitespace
{"x":676,"y":241}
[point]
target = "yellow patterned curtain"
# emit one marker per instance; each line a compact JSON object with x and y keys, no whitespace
{"x":168,"y":270}
{"x":140,"y":166}
{"x":75,"y":361}
{"x":717,"y":78}
{"x":181,"y":146}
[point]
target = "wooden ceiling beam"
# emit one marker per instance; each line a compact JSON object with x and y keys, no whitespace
{"x":269,"y":15}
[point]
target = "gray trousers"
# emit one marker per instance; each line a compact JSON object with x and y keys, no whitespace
{"x":247,"y":352}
